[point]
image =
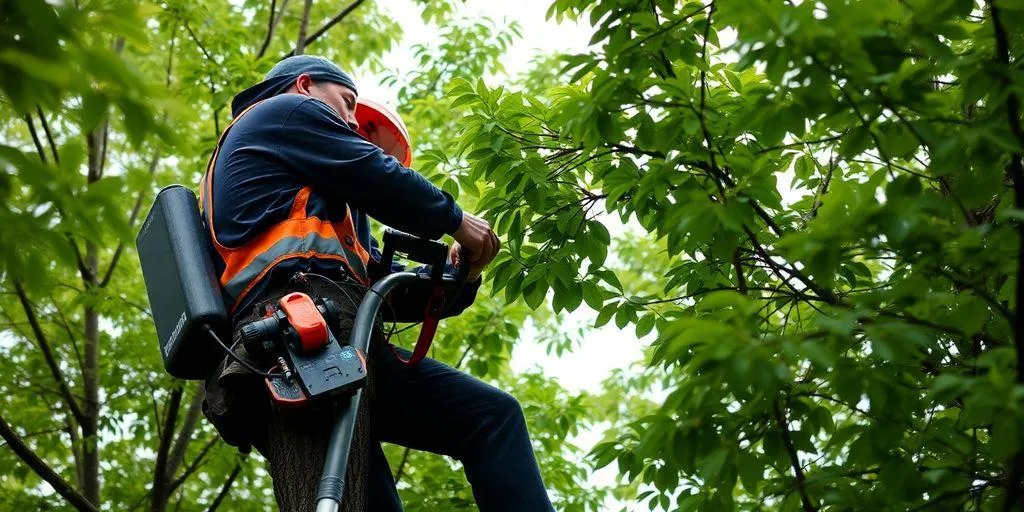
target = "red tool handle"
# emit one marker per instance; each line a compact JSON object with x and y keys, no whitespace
{"x":435,"y":306}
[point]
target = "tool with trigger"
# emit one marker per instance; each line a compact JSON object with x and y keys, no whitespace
{"x":311,"y":364}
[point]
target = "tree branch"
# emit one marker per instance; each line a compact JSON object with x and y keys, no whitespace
{"x":82,"y":269}
{"x":76,"y":449}
{"x":401,"y":465}
{"x":273,"y":19}
{"x":137,"y":207}
{"x":181,"y":442}
{"x":300,"y":43}
{"x":704,"y":87}
{"x":822,"y":294}
{"x":158,"y":498}
{"x":51,"y":361}
{"x":823,"y":188}
{"x":35,"y":137}
{"x":327,"y":26}
{"x":780,"y":419}
{"x":37,"y":433}
{"x":801,"y":143}
{"x":71,"y":335}
{"x":741,"y":279}
{"x":193,"y":466}
{"x":49,"y":136}
{"x":199,"y":44}
{"x":225,"y":488}
{"x":42,"y":469}
{"x":209,"y":78}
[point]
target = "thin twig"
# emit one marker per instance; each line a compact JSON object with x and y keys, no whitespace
{"x":273,"y":18}
{"x":327,"y":26}
{"x":160,"y":473}
{"x":823,"y":188}
{"x":132,"y":219}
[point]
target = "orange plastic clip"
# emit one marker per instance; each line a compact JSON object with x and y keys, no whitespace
{"x":307,"y":321}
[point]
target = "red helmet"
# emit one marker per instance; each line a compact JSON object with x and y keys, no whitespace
{"x":383,"y":127}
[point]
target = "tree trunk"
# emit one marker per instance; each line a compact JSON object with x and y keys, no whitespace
{"x":294,"y":440}
{"x":90,"y":372}
{"x":90,"y":427}
{"x":296,"y":446}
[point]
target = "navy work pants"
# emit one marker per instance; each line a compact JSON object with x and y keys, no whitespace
{"x":436,"y":408}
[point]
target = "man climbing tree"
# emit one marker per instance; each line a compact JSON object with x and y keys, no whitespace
{"x":807,"y":212}
{"x":288,"y":191}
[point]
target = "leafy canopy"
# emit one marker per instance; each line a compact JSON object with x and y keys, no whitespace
{"x":820,"y":203}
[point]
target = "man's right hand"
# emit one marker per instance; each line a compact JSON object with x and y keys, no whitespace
{"x":476,"y":235}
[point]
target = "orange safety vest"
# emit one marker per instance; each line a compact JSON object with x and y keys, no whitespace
{"x":298,"y":236}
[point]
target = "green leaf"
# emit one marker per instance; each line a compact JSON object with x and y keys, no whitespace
{"x":711,"y":466}
{"x":751,"y":471}
{"x":599,"y":232}
{"x":606,"y":314}
{"x":856,"y":142}
{"x":644,"y":325}
{"x":818,"y":352}
{"x":534,"y":294}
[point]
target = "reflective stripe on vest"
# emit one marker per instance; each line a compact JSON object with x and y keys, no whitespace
{"x":298,"y":236}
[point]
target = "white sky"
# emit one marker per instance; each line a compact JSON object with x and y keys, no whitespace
{"x":539,"y":36}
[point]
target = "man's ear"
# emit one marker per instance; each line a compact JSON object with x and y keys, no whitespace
{"x":303,"y":83}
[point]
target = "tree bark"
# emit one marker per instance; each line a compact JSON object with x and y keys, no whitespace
{"x":295,"y":453}
{"x":90,"y":425}
{"x":90,"y":372}
{"x":294,"y":441}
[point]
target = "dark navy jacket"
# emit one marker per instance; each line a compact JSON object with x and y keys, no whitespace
{"x":289,"y":141}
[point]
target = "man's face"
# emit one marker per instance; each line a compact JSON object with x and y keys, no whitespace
{"x":337,"y":96}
